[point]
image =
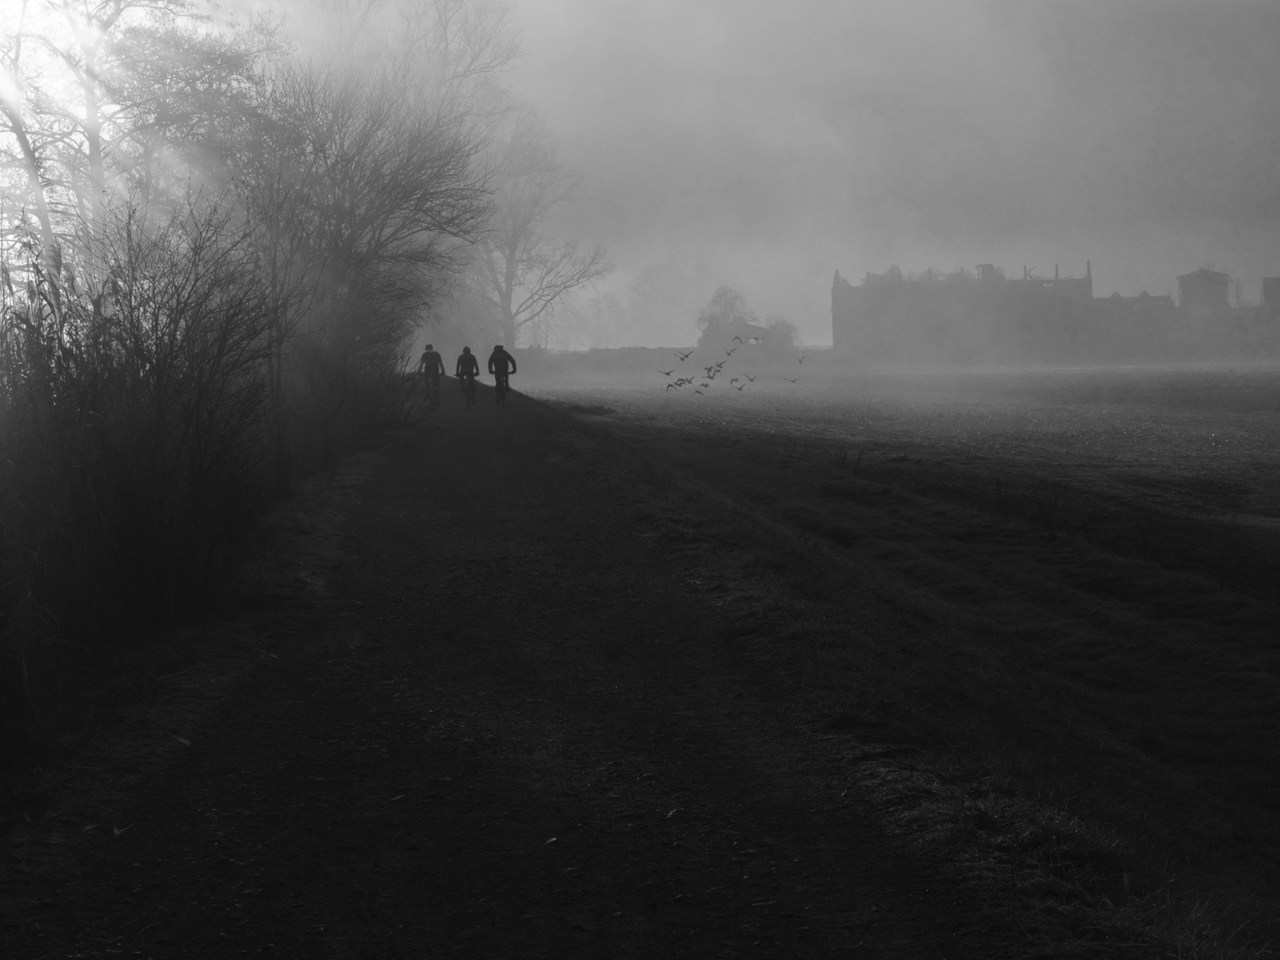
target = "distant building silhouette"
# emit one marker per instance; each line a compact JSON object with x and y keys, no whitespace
{"x":961,"y":317}
{"x":983,"y":317}
{"x":1203,"y":294}
{"x":1144,"y":308}
{"x":742,"y":329}
{"x":1270,"y":306}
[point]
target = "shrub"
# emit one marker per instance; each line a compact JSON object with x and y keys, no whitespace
{"x":130,"y":436}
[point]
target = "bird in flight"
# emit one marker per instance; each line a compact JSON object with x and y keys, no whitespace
{"x":741,"y":388}
{"x":751,"y":379}
{"x":803,"y":359}
{"x":699,"y":393}
{"x":718,"y":364}
{"x":789,"y":380}
{"x":733,"y":381}
{"x":739,"y":339}
{"x":729,"y":353}
{"x":671,"y":386}
{"x":684,"y":356}
{"x":666,"y":373}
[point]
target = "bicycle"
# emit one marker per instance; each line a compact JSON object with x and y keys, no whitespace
{"x":468,"y":389}
{"x":433,"y":391}
{"x":501,"y":388}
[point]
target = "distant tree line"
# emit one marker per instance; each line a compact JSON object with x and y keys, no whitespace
{"x":214,"y":249}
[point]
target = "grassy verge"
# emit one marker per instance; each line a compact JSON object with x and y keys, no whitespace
{"x":1019,"y":748}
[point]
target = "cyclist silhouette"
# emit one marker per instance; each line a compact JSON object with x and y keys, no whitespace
{"x":466,"y":370}
{"x":501,"y":365}
{"x":431,"y":365}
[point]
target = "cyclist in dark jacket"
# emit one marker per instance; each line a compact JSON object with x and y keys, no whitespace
{"x":501,"y":365}
{"x":467,"y":365}
{"x":466,"y":370}
{"x":432,"y":368}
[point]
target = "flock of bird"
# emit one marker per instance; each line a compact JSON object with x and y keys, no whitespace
{"x":701,"y":382}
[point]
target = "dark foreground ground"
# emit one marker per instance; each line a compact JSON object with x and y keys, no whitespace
{"x":781,"y":677}
{"x":506,"y":724}
{"x":1054,"y":590}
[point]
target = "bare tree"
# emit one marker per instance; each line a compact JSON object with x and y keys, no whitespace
{"x":727,"y":306}
{"x":80,"y":36}
{"x":190,"y":104}
{"x":101,"y":97}
{"x":519,"y":271}
{"x":361,"y":198}
{"x":471,"y":44}
{"x":20,"y":97}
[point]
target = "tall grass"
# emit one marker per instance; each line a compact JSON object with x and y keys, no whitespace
{"x":130,"y":415}
{"x":137,"y":435}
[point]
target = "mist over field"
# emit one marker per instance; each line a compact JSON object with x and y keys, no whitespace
{"x":766,"y":146}
{"x":647,"y":478}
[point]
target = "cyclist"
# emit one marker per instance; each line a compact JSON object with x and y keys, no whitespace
{"x":466,"y":370}
{"x":501,"y":365}
{"x":431,"y":366}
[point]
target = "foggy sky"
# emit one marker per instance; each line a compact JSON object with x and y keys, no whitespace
{"x":781,"y":142}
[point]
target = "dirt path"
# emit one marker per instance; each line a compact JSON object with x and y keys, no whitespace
{"x":510,"y":727}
